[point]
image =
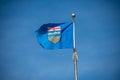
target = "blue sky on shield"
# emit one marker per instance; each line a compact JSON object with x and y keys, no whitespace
{"x":97,"y":38}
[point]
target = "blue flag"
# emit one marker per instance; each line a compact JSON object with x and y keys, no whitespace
{"x":55,"y":35}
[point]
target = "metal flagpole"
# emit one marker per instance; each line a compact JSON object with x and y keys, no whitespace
{"x":75,"y":57}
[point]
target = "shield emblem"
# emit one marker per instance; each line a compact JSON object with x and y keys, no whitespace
{"x":54,"y":34}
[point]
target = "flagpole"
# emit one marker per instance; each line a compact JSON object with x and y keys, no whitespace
{"x":75,"y":57}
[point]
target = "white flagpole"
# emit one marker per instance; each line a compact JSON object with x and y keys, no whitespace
{"x":75,"y":57}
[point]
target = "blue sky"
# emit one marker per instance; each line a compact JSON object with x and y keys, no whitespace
{"x":97,"y":38}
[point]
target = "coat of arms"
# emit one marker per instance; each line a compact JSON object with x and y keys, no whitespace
{"x":54,"y":34}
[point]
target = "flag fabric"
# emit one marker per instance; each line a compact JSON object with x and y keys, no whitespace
{"x":55,"y":35}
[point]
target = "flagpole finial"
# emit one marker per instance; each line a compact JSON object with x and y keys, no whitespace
{"x":73,"y":15}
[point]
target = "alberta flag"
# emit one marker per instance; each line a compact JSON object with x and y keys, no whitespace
{"x":55,"y":35}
